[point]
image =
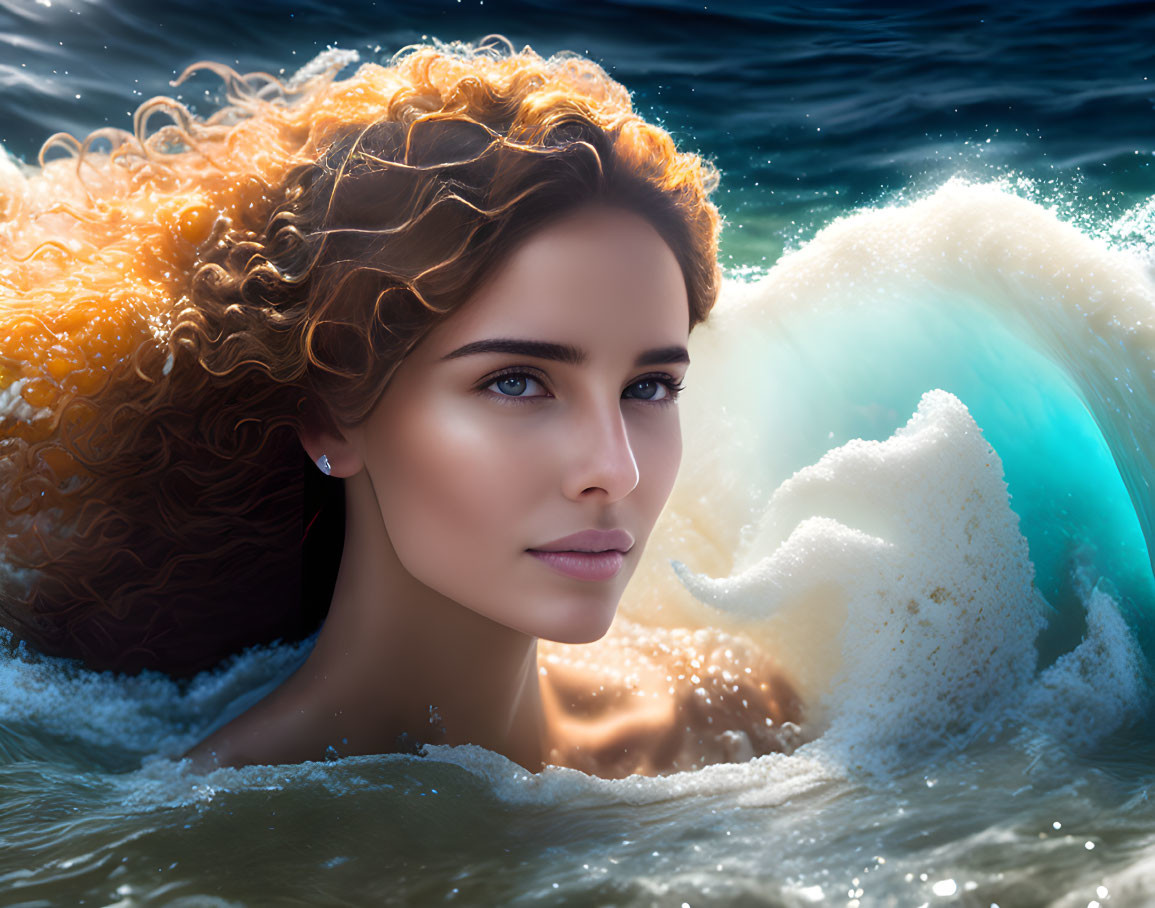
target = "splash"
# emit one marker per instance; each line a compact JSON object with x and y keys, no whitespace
{"x":980,"y":252}
{"x":917,"y":586}
{"x":1043,"y":332}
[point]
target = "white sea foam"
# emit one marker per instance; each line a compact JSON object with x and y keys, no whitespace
{"x":146,"y":713}
{"x":1097,"y":687}
{"x":1134,"y":231}
{"x":765,"y":781}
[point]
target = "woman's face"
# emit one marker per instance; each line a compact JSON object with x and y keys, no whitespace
{"x":478,"y":457}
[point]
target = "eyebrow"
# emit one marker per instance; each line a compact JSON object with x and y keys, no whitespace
{"x":562,"y":353}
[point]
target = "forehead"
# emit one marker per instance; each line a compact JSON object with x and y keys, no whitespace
{"x":602,"y":277}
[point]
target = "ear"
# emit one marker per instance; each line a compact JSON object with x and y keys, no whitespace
{"x":340,"y":447}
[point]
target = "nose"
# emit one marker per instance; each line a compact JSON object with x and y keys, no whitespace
{"x":602,"y":457}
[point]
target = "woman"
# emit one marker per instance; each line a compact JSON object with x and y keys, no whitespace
{"x":465,"y":282}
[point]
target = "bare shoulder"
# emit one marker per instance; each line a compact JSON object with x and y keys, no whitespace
{"x":277,"y":729}
{"x":239,"y":742}
{"x":658,"y":700}
{"x":212,"y":752}
{"x":291,"y":726}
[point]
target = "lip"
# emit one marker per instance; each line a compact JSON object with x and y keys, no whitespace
{"x":589,"y":541}
{"x":583,"y":565}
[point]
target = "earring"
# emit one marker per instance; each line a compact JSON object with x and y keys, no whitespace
{"x":323,"y":464}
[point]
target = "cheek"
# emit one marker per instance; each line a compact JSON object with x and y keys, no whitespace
{"x":659,"y":455}
{"x":457,"y":498}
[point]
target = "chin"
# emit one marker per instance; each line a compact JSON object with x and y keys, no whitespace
{"x":577,"y":632}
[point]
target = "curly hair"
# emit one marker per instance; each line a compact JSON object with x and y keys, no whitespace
{"x":175,"y":309}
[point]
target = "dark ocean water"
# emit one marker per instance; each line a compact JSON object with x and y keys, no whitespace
{"x":812,"y":113}
{"x":808,"y":109}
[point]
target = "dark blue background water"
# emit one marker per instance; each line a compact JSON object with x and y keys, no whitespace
{"x":808,"y":109}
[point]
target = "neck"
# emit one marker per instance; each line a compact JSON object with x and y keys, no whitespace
{"x":397,"y":664}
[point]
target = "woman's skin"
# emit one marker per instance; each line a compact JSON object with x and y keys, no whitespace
{"x":432,"y":633}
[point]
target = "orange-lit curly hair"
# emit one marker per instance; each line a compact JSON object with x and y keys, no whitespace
{"x":174,"y":309}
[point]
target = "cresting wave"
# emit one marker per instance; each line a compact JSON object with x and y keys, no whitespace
{"x":978,"y":248}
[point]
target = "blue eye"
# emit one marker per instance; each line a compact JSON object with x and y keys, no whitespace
{"x":671,"y":386}
{"x":511,"y":386}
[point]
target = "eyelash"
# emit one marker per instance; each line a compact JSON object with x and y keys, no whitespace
{"x":671,"y":383}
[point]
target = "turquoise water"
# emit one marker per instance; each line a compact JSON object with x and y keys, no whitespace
{"x":1063,"y":480}
{"x":1022,"y":290}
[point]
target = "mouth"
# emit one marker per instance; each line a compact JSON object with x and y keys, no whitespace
{"x":578,"y":551}
{"x":590,"y":566}
{"x":591,"y":541}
